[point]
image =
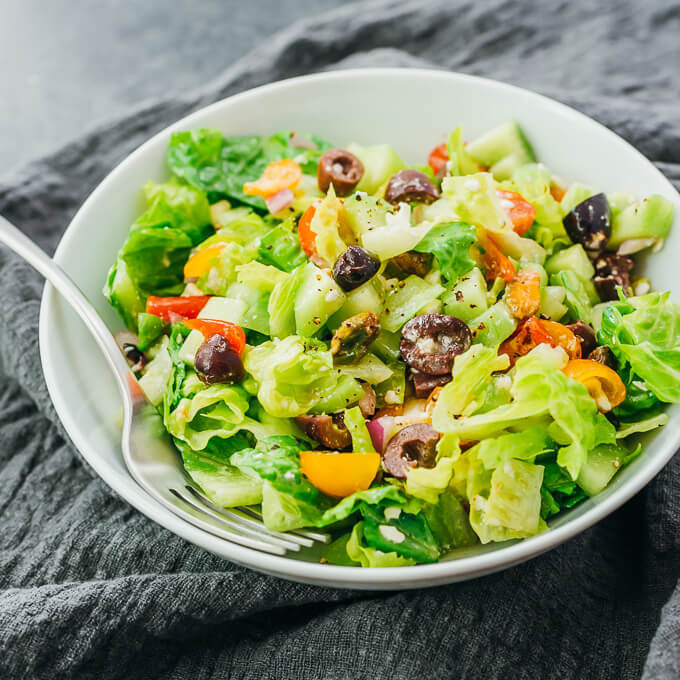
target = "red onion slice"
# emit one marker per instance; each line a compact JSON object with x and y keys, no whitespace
{"x":380,"y":430}
{"x":279,"y":201}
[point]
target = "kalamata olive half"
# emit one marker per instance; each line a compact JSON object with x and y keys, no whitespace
{"x":590,"y":223}
{"x":216,"y":361}
{"x":430,"y":342}
{"x":586,"y":335}
{"x":354,"y":336}
{"x":354,"y":267}
{"x":423,"y":383}
{"x":603,"y":355}
{"x":413,"y":262}
{"x":408,"y":186}
{"x":368,"y":401}
{"x":340,"y":168}
{"x":414,"y":446}
{"x":327,"y":430}
{"x":134,"y":355}
{"x":612,"y":271}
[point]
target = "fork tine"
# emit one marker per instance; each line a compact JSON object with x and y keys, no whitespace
{"x":252,"y":526}
{"x":265,"y":544}
{"x":305,"y":533}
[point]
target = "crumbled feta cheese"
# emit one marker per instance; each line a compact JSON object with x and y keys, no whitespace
{"x":478,"y":503}
{"x":401,"y":218}
{"x":391,"y":533}
{"x":392,"y":512}
{"x":503,"y":382}
{"x":391,"y":397}
{"x":426,"y":345}
{"x":472,"y":184}
{"x":642,"y":288}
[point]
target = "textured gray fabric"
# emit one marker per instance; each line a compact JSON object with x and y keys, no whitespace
{"x":92,"y":589}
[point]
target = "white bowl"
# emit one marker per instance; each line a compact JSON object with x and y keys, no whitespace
{"x":413,"y":110}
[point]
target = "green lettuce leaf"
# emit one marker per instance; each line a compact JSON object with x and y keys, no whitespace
{"x":450,"y":243}
{"x":293,"y":376}
{"x":220,"y":165}
{"x":360,"y":553}
{"x":390,"y":528}
{"x":540,"y":389}
{"x":644,"y":333}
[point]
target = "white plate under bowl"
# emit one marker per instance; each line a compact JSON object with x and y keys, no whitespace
{"x":413,"y":110}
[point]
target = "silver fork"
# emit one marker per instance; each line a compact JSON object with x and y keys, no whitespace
{"x":148,"y":451}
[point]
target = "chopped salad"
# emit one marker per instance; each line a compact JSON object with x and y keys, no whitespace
{"x":417,"y":358}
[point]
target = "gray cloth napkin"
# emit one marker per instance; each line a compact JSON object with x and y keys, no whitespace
{"x":90,"y":588}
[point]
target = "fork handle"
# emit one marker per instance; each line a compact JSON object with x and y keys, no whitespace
{"x":43,"y":263}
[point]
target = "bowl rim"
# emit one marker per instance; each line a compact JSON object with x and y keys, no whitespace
{"x":421,"y":575}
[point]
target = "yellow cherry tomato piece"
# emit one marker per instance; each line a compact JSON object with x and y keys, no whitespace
{"x":199,"y":263}
{"x":278,"y":175}
{"x":603,"y":384}
{"x":339,"y":474}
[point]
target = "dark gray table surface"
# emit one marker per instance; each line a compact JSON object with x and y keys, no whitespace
{"x":66,"y":65}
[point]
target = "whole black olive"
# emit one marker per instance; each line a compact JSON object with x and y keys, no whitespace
{"x":413,"y":262}
{"x":340,"y":168}
{"x":414,"y":446}
{"x":423,"y":383}
{"x":603,"y":355}
{"x":354,"y":267}
{"x":407,"y":186}
{"x":354,"y":336}
{"x":327,"y":430}
{"x":612,"y":271}
{"x":590,"y":223}
{"x":430,"y":342}
{"x":216,"y":361}
{"x":586,"y":335}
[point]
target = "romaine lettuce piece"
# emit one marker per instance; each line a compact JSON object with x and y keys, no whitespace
{"x":450,"y":243}
{"x":576,"y":295}
{"x":369,"y":368}
{"x":177,"y":206}
{"x":644,"y":333}
{"x":515,"y":498}
{"x":462,"y":163}
{"x":224,"y":484}
{"x":523,"y":445}
{"x":392,"y":529}
{"x":646,"y":424}
{"x":473,"y":198}
{"x":223,"y":269}
{"x":405,"y":299}
{"x":397,"y":236}
{"x":366,"y":556}
{"x":472,"y":372}
{"x":428,"y":484}
{"x":292,"y":376}
{"x":259,"y":276}
{"x":539,"y":388}
{"x":221,"y":165}
{"x":532,"y":181}
{"x":449,"y":522}
{"x":332,"y":236}
{"x":256,"y":315}
{"x":281,"y":248}
{"x":281,"y":304}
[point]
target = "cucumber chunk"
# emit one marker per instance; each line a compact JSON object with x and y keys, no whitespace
{"x":649,"y":218}
{"x":573,"y":259}
{"x":380,"y":163}
{"x":468,"y":299}
{"x":502,"y":150}
{"x":602,"y":464}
